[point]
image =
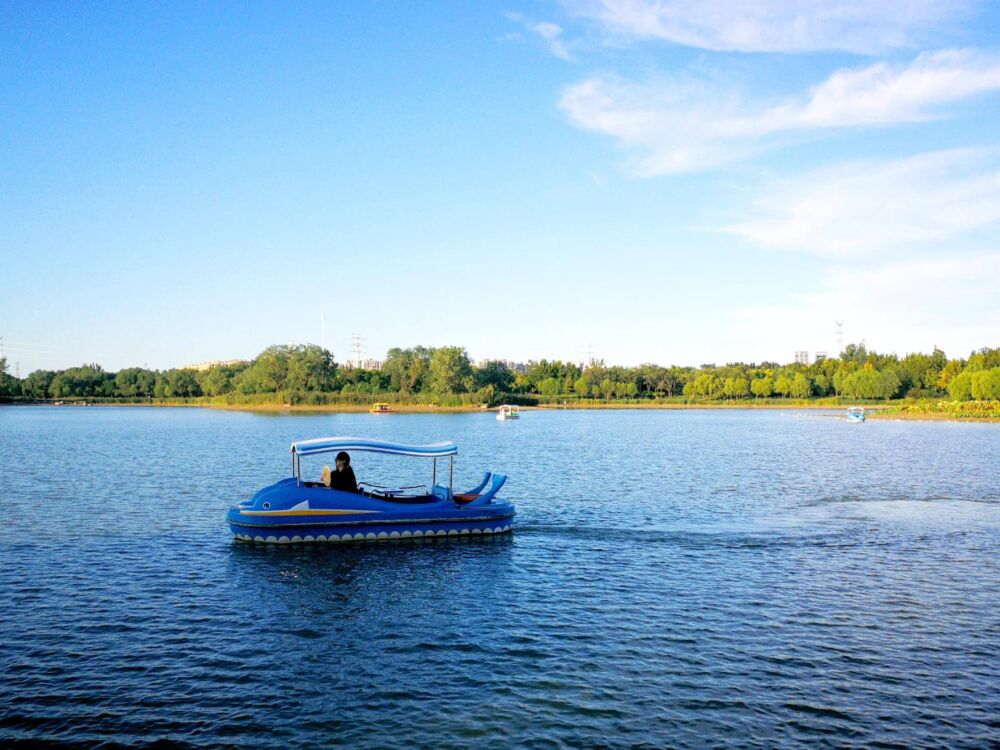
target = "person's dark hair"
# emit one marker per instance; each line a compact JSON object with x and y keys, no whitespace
{"x":342,"y":456}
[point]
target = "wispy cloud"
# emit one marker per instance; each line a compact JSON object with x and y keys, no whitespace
{"x":859,"y":26}
{"x":550,"y":34}
{"x":910,"y":247}
{"x":685,"y":125}
{"x":903,"y":305}
{"x":878,"y":207}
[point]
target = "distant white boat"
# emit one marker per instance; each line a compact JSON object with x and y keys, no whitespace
{"x":507,"y":411}
{"x":856,"y":414}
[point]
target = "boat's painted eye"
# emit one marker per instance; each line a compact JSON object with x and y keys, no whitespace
{"x":267,"y":505}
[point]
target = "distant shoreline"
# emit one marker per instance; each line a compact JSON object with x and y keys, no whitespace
{"x":918,"y":411}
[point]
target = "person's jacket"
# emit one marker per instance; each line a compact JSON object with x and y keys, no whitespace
{"x":344,"y":480}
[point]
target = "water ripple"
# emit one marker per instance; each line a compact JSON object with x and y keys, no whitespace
{"x":686,"y":579}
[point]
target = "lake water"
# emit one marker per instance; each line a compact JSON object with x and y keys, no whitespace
{"x":675,"y":579}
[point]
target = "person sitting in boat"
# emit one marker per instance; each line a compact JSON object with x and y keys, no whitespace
{"x":343,"y":478}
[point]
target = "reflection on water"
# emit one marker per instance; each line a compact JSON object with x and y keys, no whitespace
{"x":675,"y":579}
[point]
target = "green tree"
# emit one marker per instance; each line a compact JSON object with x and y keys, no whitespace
{"x":762,"y":387}
{"x":542,"y":370}
{"x":888,"y":384}
{"x":135,"y":382}
{"x":783,"y":385}
{"x":960,"y":387}
{"x":985,"y":385}
{"x":550,"y":387}
{"x":801,"y":386}
{"x":495,"y":374}
{"x":181,"y":384}
{"x":407,"y":368}
{"x":36,"y":385}
{"x":450,"y":370}
{"x":736,"y":387}
{"x":950,"y":370}
{"x":672,"y":380}
{"x":856,"y":353}
{"x":81,"y":382}
{"x":310,"y":368}
{"x":9,"y":385}
{"x":217,"y":380}
{"x":607,"y":388}
{"x":267,"y":373}
{"x":984,"y":359}
{"x":705,"y":385}
{"x":870,"y":383}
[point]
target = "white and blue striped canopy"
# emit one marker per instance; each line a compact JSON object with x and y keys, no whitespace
{"x":328,"y":444}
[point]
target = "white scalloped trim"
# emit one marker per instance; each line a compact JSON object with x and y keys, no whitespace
{"x":372,"y":536}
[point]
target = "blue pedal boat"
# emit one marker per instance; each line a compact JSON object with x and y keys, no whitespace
{"x":294,"y":510}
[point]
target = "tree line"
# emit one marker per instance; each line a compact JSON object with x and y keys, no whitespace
{"x":427,"y":371}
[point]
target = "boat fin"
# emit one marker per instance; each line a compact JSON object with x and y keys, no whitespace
{"x":498,"y":482}
{"x":479,"y":487}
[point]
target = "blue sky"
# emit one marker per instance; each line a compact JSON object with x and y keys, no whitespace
{"x":673,"y":181}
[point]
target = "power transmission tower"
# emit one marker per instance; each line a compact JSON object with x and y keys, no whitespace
{"x":840,"y":336}
{"x":356,"y":347}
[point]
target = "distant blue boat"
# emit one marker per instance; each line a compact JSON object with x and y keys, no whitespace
{"x":294,"y":510}
{"x":856,"y":414}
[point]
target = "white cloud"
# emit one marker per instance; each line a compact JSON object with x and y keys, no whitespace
{"x":905,"y":305}
{"x":877,"y":207}
{"x":860,"y":26}
{"x":550,"y":34}
{"x":899,"y":237}
{"x":686,"y":125}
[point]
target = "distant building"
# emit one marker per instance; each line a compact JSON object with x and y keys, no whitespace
{"x":820,"y":356}
{"x":202,"y":366}
{"x":363,"y":364}
{"x":802,"y":358}
{"x":508,"y":363}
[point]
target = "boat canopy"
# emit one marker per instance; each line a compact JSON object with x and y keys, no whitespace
{"x":328,"y":444}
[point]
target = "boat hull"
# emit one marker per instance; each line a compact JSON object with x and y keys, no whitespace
{"x":289,"y":513}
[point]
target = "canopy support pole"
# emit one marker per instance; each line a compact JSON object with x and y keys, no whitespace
{"x":434,"y":474}
{"x":451,"y":477}
{"x":298,"y":473}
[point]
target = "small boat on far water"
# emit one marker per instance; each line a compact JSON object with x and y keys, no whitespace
{"x":294,"y":510}
{"x":856,"y":414}
{"x":380,"y":408}
{"x":508,"y":411}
